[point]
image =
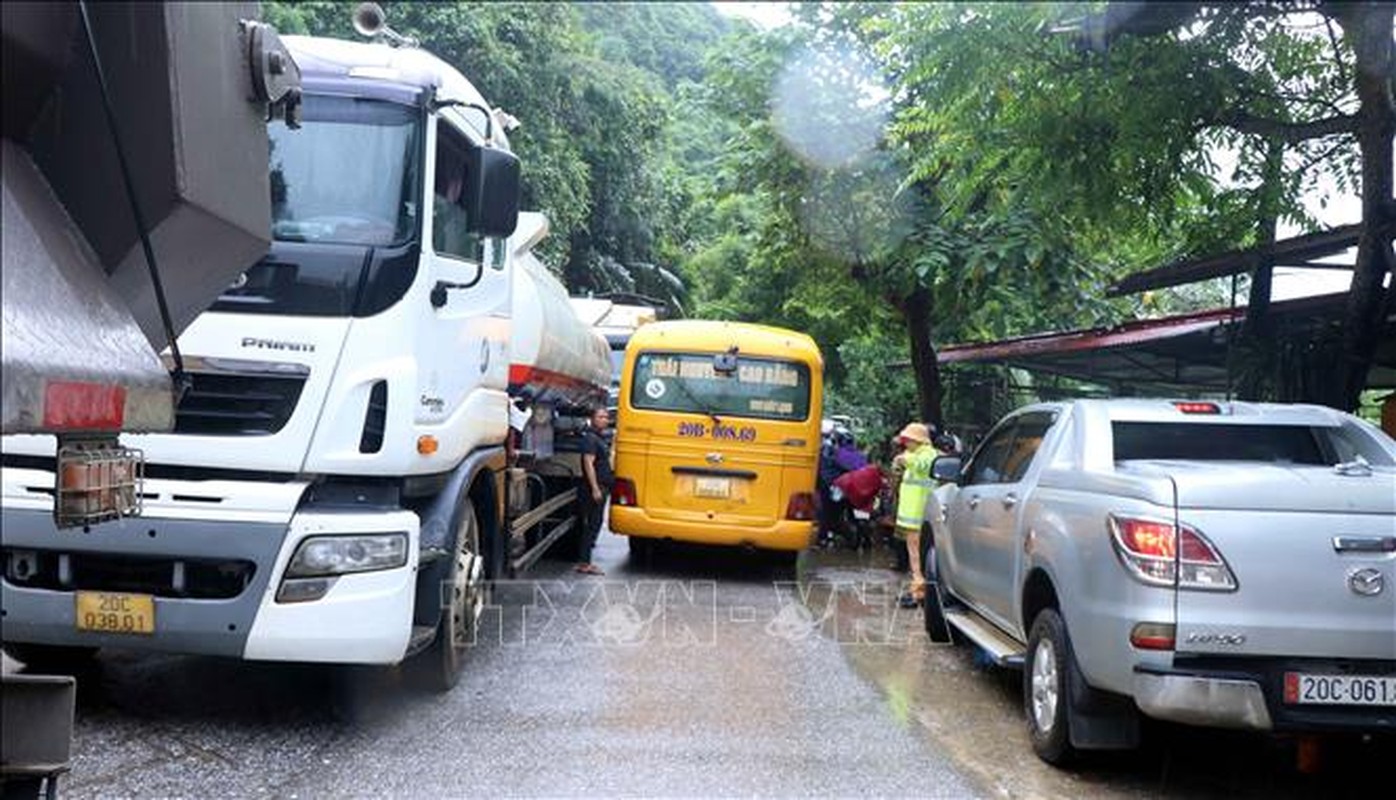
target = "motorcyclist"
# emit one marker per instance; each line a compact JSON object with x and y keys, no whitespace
{"x":838,"y":455}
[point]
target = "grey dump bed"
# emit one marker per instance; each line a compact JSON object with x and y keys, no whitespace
{"x":78,"y":301}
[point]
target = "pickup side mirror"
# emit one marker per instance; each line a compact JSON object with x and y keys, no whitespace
{"x":946,"y":468}
{"x":492,"y":191}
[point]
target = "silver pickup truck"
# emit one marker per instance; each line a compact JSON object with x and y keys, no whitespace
{"x":1216,"y":564}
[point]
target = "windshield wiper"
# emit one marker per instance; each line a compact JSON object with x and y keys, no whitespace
{"x":701,"y":406}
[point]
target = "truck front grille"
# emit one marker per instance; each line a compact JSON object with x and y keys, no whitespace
{"x":201,"y":578}
{"x":237,"y":405}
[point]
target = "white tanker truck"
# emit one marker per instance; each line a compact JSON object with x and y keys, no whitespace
{"x":336,"y":488}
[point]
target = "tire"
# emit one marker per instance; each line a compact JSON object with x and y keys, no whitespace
{"x":438,"y":667}
{"x":784,"y":559}
{"x":49,"y":657}
{"x":641,"y":548}
{"x":1048,"y":670}
{"x":933,"y":606}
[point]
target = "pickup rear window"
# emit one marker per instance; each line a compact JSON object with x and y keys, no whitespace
{"x":1283,"y":444}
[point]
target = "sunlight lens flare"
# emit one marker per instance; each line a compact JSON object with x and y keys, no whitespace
{"x":829,"y":106}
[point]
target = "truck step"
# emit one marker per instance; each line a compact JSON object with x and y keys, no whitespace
{"x":1001,"y":648}
{"x":422,"y":637}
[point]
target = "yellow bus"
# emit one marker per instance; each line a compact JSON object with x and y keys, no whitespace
{"x":717,"y":436}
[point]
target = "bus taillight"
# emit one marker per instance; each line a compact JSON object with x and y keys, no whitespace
{"x":801,"y":506}
{"x":623,"y":493}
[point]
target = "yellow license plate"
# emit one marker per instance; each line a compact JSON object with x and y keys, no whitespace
{"x":713,"y":487}
{"x":115,"y":612}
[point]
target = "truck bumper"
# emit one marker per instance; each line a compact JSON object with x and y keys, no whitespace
{"x":786,"y":534}
{"x":224,"y":600}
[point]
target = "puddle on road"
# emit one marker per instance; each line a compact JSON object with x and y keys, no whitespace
{"x":973,"y":713}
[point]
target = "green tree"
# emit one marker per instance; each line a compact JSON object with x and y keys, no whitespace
{"x":1112,"y":120}
{"x":864,"y":219}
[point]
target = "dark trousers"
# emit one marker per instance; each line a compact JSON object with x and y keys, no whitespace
{"x":592,"y":512}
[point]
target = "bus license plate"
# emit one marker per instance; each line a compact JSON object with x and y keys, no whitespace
{"x":1340,"y":690}
{"x":115,"y":612}
{"x":713,"y":487}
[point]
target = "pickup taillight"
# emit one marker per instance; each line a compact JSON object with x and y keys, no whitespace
{"x":1158,"y":553}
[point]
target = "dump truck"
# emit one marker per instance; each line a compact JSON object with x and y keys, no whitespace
{"x":134,"y":190}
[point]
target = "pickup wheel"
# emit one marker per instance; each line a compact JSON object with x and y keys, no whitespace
{"x":1049,"y":669}
{"x":438,"y":667}
{"x":933,"y":606}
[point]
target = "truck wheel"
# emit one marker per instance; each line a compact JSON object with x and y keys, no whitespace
{"x":933,"y":606}
{"x":1046,"y":674}
{"x":438,"y":667}
{"x":50,"y":657}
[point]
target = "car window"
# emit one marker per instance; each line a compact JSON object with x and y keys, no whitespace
{"x":1351,"y":442}
{"x":987,"y":464}
{"x":1027,"y":439}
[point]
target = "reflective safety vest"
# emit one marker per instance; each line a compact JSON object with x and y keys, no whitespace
{"x":915,"y":488}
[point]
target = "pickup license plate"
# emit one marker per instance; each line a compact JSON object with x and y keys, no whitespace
{"x":1340,"y":690}
{"x":115,"y":612}
{"x":720,"y":488}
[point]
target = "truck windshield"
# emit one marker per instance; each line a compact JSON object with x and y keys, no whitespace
{"x":764,"y":388}
{"x":348,"y":175}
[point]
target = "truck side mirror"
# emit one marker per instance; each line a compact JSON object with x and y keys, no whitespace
{"x":492,"y":191}
{"x":946,"y":468}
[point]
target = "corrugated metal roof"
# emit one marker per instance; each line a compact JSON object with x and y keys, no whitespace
{"x":1184,"y":352}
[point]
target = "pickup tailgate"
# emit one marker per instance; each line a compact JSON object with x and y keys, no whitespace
{"x":1314,"y":556}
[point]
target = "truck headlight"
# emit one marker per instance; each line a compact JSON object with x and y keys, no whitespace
{"x":336,"y":555}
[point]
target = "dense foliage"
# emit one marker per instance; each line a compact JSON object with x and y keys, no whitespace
{"x":893,"y":178}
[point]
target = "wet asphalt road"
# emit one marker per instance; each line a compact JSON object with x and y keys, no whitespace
{"x":973,"y":713}
{"x":698,"y":674}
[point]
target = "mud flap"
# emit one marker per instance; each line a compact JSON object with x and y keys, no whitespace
{"x":439,"y":522}
{"x":1100,"y":720}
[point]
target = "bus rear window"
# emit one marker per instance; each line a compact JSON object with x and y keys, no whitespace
{"x":761,"y":388}
{"x":1276,"y":444}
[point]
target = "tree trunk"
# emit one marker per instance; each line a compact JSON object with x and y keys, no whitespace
{"x":917,"y":312}
{"x":1258,"y":347}
{"x":1368,"y":26}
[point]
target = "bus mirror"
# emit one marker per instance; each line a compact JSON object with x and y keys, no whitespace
{"x":492,"y":189}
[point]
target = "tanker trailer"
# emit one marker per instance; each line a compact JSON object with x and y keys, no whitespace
{"x":559,"y":367}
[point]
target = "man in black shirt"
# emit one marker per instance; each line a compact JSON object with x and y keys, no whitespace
{"x":596,"y":486}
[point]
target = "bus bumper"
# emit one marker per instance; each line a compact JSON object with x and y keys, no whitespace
{"x":785,"y":534}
